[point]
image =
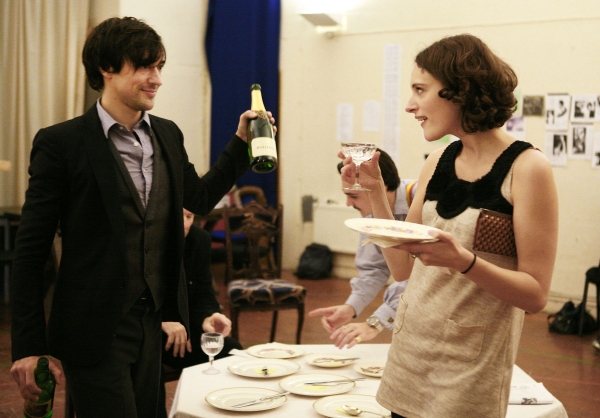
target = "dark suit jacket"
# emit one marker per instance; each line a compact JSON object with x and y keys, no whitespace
{"x":201,"y":294}
{"x":73,"y":183}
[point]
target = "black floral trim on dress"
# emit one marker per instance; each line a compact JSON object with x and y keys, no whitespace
{"x":454,"y":195}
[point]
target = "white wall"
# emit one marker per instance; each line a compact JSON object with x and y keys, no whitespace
{"x":185,"y":94}
{"x":552,"y":46}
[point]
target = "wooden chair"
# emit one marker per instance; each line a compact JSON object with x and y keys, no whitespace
{"x":248,"y":193}
{"x":256,"y":285}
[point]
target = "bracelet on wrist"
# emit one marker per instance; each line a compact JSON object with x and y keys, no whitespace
{"x":471,"y":266}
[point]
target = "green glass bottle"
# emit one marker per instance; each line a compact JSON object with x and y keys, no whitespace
{"x":261,"y":138}
{"x":43,"y":407}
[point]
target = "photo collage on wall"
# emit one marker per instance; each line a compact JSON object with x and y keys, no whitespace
{"x":570,"y":132}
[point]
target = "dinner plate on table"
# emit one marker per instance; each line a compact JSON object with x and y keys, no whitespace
{"x":264,"y":369}
{"x":371,"y":368}
{"x":280,"y":351}
{"x":297,"y":384}
{"x":331,"y":406}
{"x":389,"y":232}
{"x":329,"y":360}
{"x":226,"y":398}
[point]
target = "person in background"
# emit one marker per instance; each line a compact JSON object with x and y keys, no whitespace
{"x":116,"y":180}
{"x":205,"y":313}
{"x":373,"y":272}
{"x":459,"y":321}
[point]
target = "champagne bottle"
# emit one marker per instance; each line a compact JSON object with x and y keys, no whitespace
{"x":261,"y":139}
{"x":43,"y":407}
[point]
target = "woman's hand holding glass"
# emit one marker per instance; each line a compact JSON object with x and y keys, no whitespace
{"x":370,"y":174}
{"x":359,"y":152}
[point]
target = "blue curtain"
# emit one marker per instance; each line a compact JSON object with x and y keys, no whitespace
{"x":242,"y":48}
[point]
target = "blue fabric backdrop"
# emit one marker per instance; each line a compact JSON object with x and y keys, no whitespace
{"x":242,"y":48}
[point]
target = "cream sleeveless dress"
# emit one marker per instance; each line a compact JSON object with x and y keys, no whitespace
{"x":454,"y":345}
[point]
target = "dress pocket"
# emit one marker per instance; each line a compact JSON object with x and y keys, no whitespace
{"x":463,"y":342}
{"x":400,"y":313}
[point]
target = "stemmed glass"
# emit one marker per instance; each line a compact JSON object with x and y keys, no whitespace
{"x":212,"y":344}
{"x":360,"y":152}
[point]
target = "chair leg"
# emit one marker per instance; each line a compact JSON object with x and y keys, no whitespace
{"x":300,"y":322}
{"x":234,"y":322}
{"x":274,"y":325}
{"x":597,"y":306}
{"x":582,"y":311}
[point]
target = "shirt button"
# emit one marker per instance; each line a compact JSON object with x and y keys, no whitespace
{"x":136,"y":144}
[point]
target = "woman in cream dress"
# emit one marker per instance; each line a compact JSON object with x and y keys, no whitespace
{"x":459,"y":321}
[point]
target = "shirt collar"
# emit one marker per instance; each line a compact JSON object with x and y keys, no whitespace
{"x":108,"y":121}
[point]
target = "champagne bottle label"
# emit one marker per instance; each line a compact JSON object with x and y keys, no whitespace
{"x":264,"y":146}
{"x":37,"y":410}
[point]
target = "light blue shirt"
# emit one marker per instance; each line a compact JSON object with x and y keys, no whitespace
{"x":373,"y":271}
{"x":135,"y":148}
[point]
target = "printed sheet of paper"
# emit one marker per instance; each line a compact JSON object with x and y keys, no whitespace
{"x":391,"y":100}
{"x":371,"y":115}
{"x":345,"y":122}
{"x":556,"y":148}
{"x":557,"y":112}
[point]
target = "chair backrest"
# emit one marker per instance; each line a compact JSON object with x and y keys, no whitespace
{"x":261,"y":227}
{"x":248,"y":193}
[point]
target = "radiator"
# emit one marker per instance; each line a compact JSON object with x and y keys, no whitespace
{"x":329,"y":228}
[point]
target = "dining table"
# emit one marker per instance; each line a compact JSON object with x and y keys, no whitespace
{"x":200,"y":395}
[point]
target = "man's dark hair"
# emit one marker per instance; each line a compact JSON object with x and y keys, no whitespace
{"x":116,"y":41}
{"x":389,"y":172}
{"x":475,"y":78}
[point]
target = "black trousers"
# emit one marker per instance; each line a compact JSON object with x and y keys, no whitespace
{"x":126,"y":382}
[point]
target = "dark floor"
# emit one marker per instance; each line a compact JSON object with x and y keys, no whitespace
{"x":567,"y":365}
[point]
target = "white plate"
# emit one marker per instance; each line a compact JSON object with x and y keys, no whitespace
{"x":371,"y":368}
{"x":387,"y":232}
{"x":254,"y":368}
{"x":296,"y":384}
{"x":331,"y":406}
{"x":225,"y":398}
{"x":329,"y":364}
{"x":274,"y":351}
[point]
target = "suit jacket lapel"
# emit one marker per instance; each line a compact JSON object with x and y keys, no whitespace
{"x":102,"y":165}
{"x":170,"y":151}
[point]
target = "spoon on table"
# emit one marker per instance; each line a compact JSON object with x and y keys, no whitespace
{"x":355,"y":411}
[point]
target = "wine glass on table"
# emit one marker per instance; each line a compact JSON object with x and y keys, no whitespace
{"x":360,"y":152}
{"x":212,"y":344}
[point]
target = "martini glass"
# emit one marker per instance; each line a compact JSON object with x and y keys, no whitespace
{"x":360,"y":152}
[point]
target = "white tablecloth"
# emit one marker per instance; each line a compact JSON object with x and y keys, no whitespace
{"x":193,"y":386}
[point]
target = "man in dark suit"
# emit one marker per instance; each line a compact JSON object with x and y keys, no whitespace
{"x":115,"y":180}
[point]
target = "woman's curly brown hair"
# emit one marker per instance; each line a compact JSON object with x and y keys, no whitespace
{"x":475,"y":78}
